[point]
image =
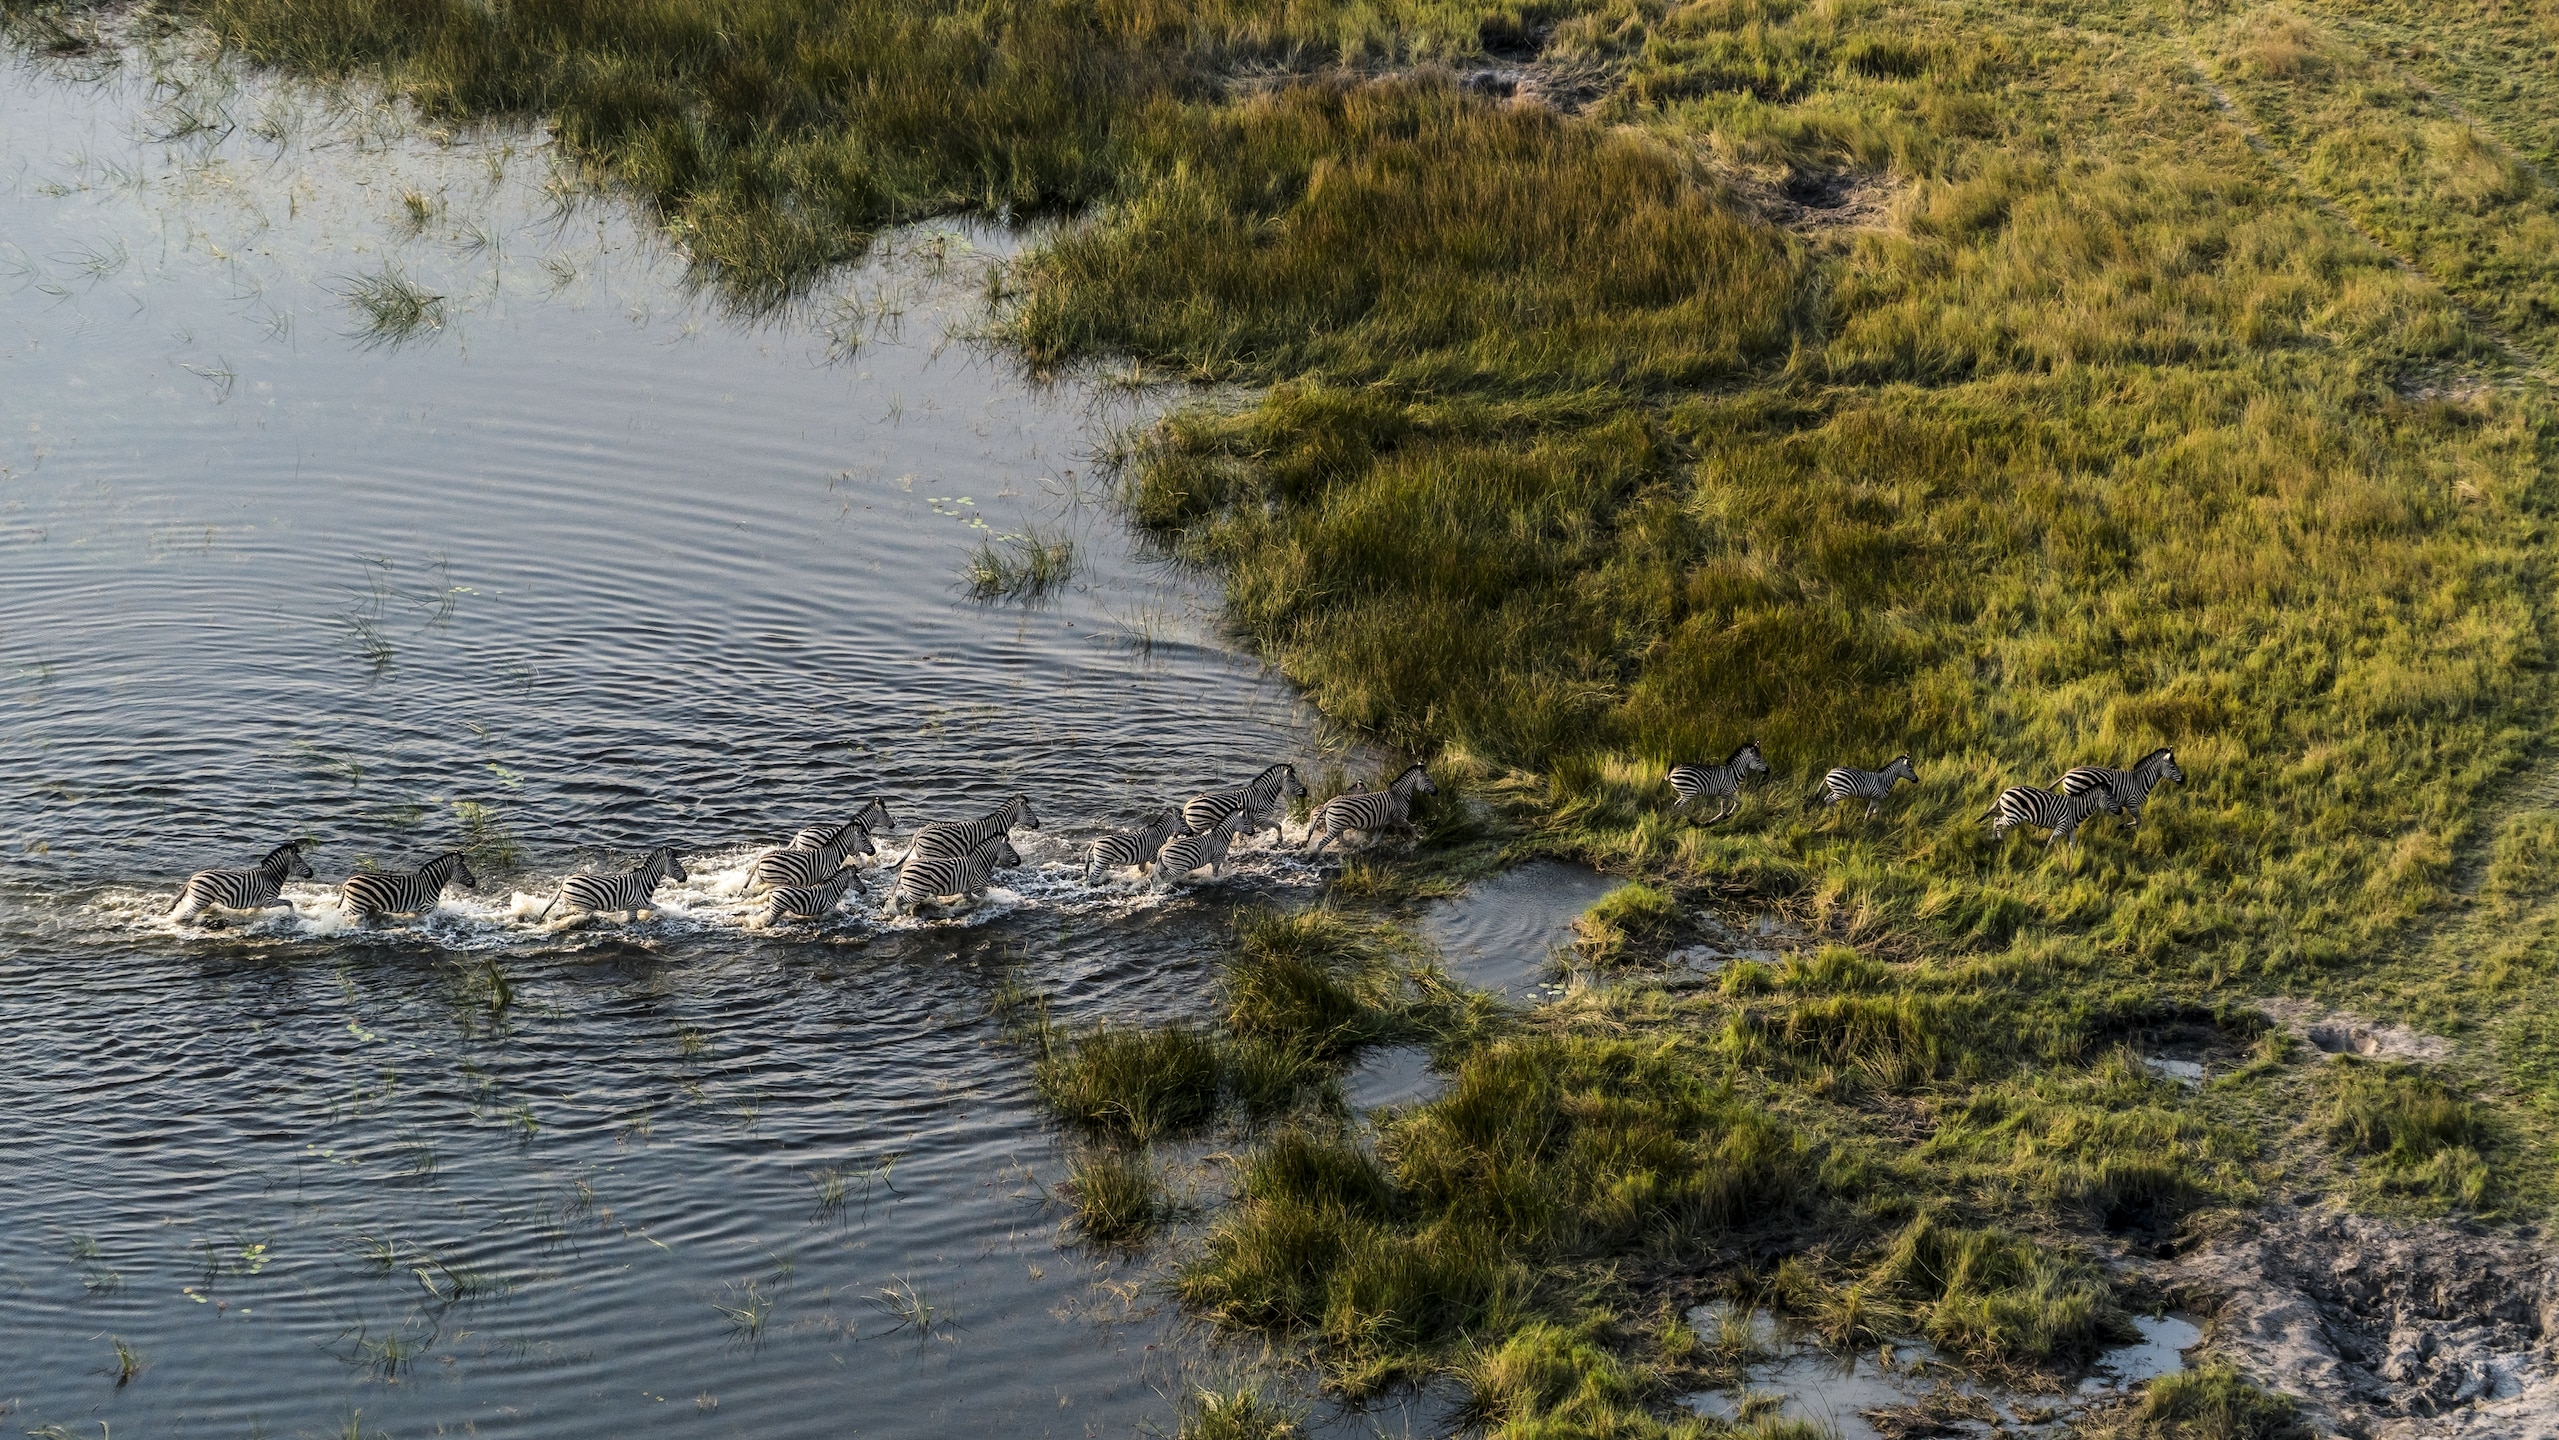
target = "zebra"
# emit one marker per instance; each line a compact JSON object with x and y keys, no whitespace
{"x":1138,"y":847}
{"x":959,"y":839}
{"x":797,"y":864}
{"x":364,"y":896}
{"x":1257,"y":800}
{"x":2046,"y":809}
{"x":627,"y":893}
{"x":810,"y":902}
{"x":872,"y":817}
{"x":1186,"y":853}
{"x":930,"y":877}
{"x":256,"y":889}
{"x":2132,"y":787}
{"x":1872,"y":786}
{"x":1724,"y":781}
{"x":1367,"y":811}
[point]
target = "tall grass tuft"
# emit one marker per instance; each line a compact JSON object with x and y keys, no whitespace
{"x":1022,"y":566}
{"x":392,"y":309}
{"x":1116,"y":1198}
{"x":1133,"y":1083}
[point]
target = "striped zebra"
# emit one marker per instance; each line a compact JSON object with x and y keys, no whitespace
{"x":1872,"y":786}
{"x":1125,"y":848}
{"x":797,"y":864}
{"x":256,"y":889}
{"x":930,"y":877}
{"x":1259,"y":800}
{"x":959,"y":839}
{"x":1370,"y":812}
{"x":364,"y":896}
{"x":1185,"y":853}
{"x":2132,"y":787}
{"x":873,"y":817}
{"x":628,"y":893}
{"x":810,"y":902}
{"x":1724,"y":781}
{"x":2043,"y":809}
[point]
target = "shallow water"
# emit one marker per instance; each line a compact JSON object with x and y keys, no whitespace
{"x":1841,"y":1392}
{"x":589,"y":567}
{"x":1502,"y":933}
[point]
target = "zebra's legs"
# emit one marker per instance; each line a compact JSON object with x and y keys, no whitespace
{"x":1874,"y":808}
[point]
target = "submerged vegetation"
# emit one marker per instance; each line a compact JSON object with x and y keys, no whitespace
{"x":1629,"y":379}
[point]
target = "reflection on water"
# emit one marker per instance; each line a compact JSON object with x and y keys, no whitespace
{"x":555,"y":563}
{"x":1501,"y":934}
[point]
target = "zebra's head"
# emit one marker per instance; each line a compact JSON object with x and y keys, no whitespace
{"x":1421,"y":779}
{"x":461,"y":867}
{"x":874,"y":815}
{"x":663,"y":861}
{"x":1295,"y":788}
{"x":1022,"y":815}
{"x":853,"y":835}
{"x":1006,"y":857}
{"x":1901,"y":766}
{"x":2162,"y":765}
{"x":1748,"y":761}
{"x":286,"y":861}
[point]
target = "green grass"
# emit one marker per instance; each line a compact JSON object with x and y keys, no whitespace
{"x":2174,"y":376}
{"x":2210,"y":1402}
{"x":2414,"y":1134}
{"x":1132,"y":1083}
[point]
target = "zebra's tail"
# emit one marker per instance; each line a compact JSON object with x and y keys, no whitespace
{"x":545,"y":912}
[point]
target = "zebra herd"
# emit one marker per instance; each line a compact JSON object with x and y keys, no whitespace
{"x":2081,"y":792}
{"x":807,"y":878}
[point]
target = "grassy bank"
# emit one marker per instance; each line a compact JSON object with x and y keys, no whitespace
{"x":2011,"y":385}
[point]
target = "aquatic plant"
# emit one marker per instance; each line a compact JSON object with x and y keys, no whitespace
{"x":1236,"y":1414}
{"x":129,"y":1363}
{"x":391,"y":308}
{"x":1022,"y":566}
{"x":1115,"y":1196}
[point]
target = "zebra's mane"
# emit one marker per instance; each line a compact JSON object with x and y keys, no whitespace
{"x":2162,"y":753}
{"x":1747,"y":747}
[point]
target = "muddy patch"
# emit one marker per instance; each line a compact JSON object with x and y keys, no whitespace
{"x":1813,"y":200}
{"x":2388,"y":1331}
{"x":2340,"y":1033}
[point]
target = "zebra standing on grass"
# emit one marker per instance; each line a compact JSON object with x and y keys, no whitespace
{"x":628,"y":893}
{"x":364,"y":896}
{"x":1125,"y":848}
{"x":873,"y":817}
{"x":257,"y":889}
{"x":1724,"y":781}
{"x":810,"y":902}
{"x":1186,"y":853}
{"x":797,"y":864}
{"x":2045,"y":809}
{"x":959,"y":839}
{"x":1258,"y":801}
{"x":2131,"y":787}
{"x":930,"y":877}
{"x":1874,"y":786}
{"x":1370,"y":813}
